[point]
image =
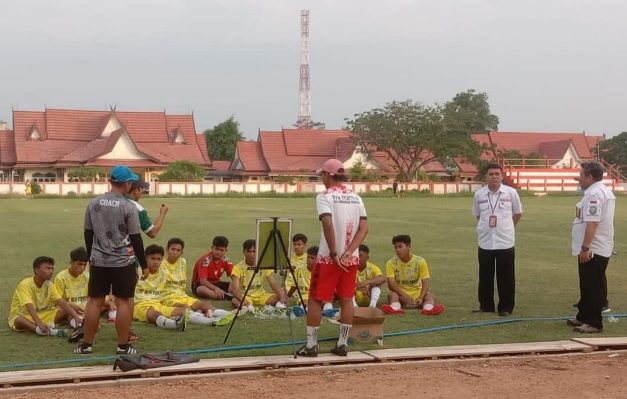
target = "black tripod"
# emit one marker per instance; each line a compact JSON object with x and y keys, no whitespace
{"x":276,"y":238}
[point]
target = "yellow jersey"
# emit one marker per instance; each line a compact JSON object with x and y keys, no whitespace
{"x":72,"y":289}
{"x":303,"y":277}
{"x":408,"y":275}
{"x":370,"y":271}
{"x":152,"y":287}
{"x":176,"y":278}
{"x":42,"y":298}
{"x":256,"y":288}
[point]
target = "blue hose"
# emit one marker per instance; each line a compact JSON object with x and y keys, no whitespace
{"x":102,"y":359}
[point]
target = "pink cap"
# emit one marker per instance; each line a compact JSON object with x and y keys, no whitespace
{"x":332,"y":167}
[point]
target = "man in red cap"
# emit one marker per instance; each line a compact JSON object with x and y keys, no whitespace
{"x":344,"y":227}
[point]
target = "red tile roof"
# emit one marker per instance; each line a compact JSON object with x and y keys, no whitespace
{"x":74,"y":136}
{"x":528,"y":142}
{"x":554,"y":149}
{"x":221,"y":165}
{"x":251,"y":157}
{"x":7,"y":148}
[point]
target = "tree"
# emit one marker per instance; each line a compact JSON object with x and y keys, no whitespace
{"x":614,"y":151}
{"x":412,"y":134}
{"x":222,"y":140}
{"x":183,"y":171}
{"x":469,"y":112}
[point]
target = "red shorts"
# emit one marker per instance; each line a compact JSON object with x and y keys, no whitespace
{"x":328,"y":279}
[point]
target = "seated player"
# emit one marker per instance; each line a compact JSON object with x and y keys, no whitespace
{"x":72,"y":282}
{"x":369,"y":280}
{"x":303,"y":276}
{"x":37,"y":306}
{"x":174,"y":294}
{"x":241,"y":276}
{"x":209,"y":269}
{"x":408,"y":281}
{"x":148,"y":306}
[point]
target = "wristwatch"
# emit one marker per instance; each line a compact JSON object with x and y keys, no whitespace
{"x":584,"y":248}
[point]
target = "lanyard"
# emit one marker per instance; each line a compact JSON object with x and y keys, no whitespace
{"x":493,"y":208}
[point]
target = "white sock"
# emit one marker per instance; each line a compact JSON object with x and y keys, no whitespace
{"x":220,"y":313}
{"x":312,"y":336}
{"x":164,"y":322}
{"x":375,"y":292}
{"x":344,"y":330}
{"x":113,"y":314}
{"x":280,"y":305}
{"x":39,"y":332}
{"x":427,"y":306}
{"x":327,"y":306}
{"x":75,"y":323}
{"x":395,"y":305}
{"x":355,"y":303}
{"x":52,"y":332}
{"x":199,"y":318}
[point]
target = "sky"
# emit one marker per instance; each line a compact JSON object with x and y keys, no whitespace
{"x":550,"y":65}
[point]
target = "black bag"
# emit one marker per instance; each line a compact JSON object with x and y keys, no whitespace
{"x":151,"y":360}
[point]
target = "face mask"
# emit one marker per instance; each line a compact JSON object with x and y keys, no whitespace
{"x":580,"y":190}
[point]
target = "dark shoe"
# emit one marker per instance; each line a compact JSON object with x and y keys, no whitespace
{"x":83,"y":349}
{"x":503,"y":313}
{"x":76,"y":335}
{"x":340,"y":350}
{"x":307,"y":352}
{"x":587,"y":329}
{"x":574,"y":323}
{"x":125,"y":350}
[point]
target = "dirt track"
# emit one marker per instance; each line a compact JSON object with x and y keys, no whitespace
{"x":589,"y":376}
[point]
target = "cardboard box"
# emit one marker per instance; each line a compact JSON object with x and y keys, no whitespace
{"x":367,"y":326}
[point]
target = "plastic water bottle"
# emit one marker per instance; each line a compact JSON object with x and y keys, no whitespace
{"x":612,"y":319}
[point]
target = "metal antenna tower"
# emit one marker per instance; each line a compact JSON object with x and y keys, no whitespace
{"x":304,"y":114}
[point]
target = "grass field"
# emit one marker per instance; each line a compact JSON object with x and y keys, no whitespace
{"x":442,"y":229}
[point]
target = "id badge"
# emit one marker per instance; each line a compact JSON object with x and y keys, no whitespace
{"x":492,"y":221}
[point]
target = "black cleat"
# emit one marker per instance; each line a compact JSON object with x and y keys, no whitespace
{"x":307,"y":352}
{"x":76,"y":335}
{"x":340,"y":350}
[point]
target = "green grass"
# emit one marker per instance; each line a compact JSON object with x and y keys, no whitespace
{"x":442,"y":229}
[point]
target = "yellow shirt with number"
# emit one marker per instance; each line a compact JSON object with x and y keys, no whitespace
{"x":408,"y":275}
{"x":72,"y":289}
{"x":303,"y":276}
{"x":176,"y":278}
{"x":42,"y":298}
{"x":244,"y":274}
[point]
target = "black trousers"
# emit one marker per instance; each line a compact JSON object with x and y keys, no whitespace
{"x":501,"y":261}
{"x":591,"y":288}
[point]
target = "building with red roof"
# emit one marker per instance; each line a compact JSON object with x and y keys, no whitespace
{"x":45,"y":145}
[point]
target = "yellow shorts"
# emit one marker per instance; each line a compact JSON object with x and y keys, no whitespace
{"x":258,"y":298}
{"x":361,"y":298}
{"x":179,"y":300}
{"x":140,"y":312}
{"x":46,"y":316}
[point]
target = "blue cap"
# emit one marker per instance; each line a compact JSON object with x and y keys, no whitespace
{"x":121,"y":174}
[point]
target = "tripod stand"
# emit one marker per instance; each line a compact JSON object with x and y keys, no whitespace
{"x":278,"y":260}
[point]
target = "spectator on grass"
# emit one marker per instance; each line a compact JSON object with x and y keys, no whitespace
{"x":137,"y":190}
{"x":369,"y":280}
{"x":408,"y":281}
{"x":257,"y":295}
{"x":344,"y":226}
{"x":498,"y":209}
{"x":303,"y":277}
{"x":592,"y":243}
{"x":37,"y":306}
{"x":300,"y":267}
{"x":208,"y":271}
{"x":114,"y":243}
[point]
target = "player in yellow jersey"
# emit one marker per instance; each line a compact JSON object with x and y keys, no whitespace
{"x":241,"y":275}
{"x":302,"y":270}
{"x":71,"y":283}
{"x":37,"y":306}
{"x":369,"y":280}
{"x":408,"y":281}
{"x":174,"y":293}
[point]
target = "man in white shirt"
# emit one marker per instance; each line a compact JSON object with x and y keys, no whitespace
{"x":344,"y":227}
{"x":498,"y":209}
{"x":593,"y":243}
